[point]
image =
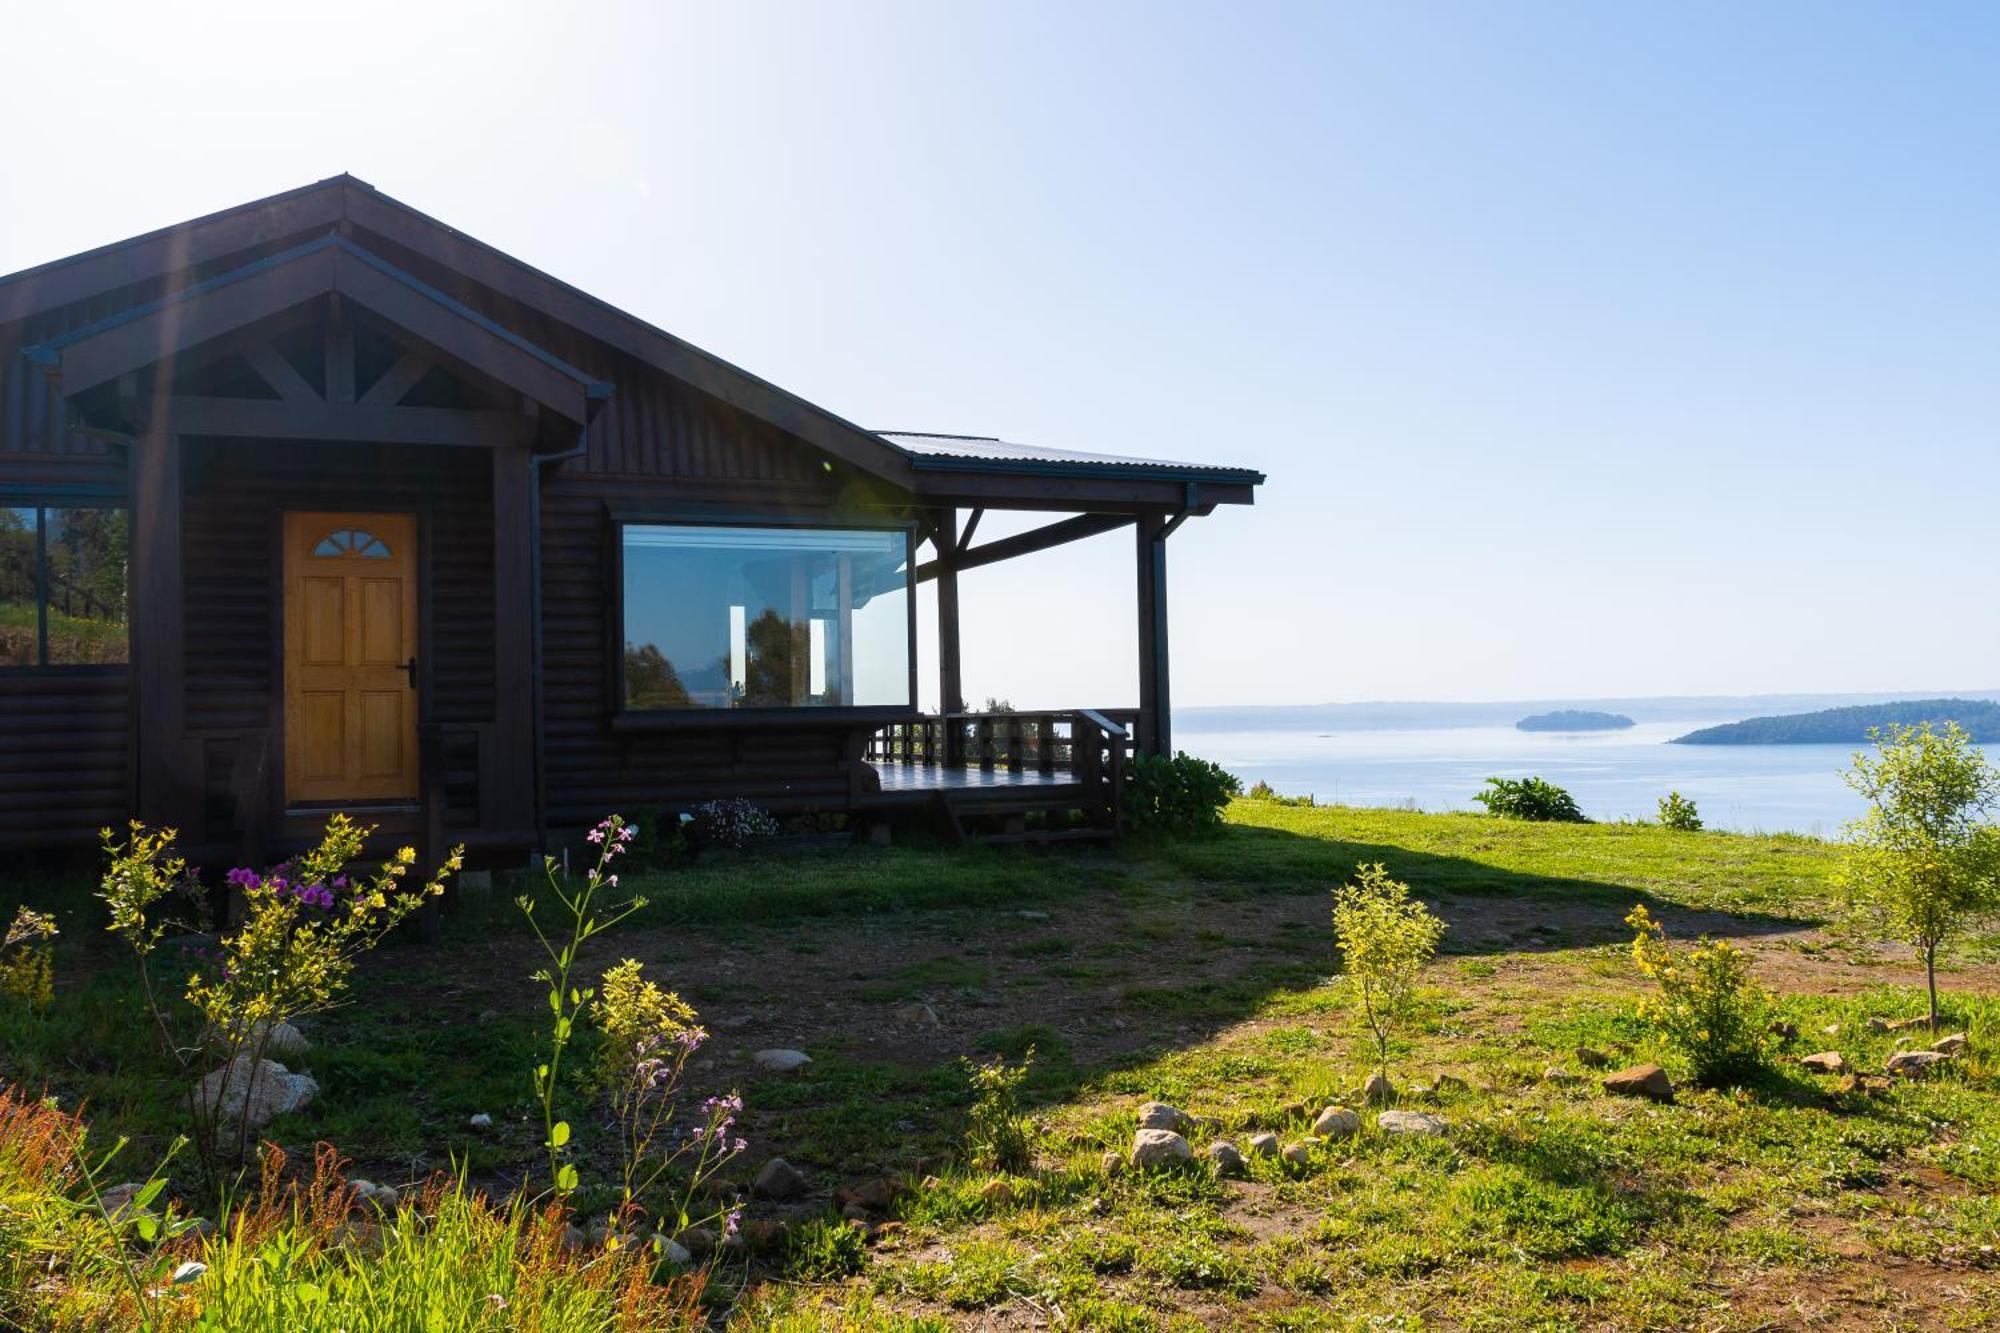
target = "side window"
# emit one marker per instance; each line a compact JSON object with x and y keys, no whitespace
{"x":63,"y":574}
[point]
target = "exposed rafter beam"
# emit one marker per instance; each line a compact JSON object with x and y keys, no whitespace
{"x":971,"y":525}
{"x":398,"y":379}
{"x":1026,"y":543}
{"x":280,"y":374}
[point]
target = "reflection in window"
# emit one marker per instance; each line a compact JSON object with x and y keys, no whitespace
{"x":738,"y":617}
{"x":352,"y":541}
{"x":62,"y":586}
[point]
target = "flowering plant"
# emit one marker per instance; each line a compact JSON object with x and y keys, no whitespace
{"x":27,"y":967}
{"x":732,"y":822}
{"x":649,"y":1036}
{"x":1707,"y":1007}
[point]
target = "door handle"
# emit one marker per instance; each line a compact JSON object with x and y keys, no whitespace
{"x":411,"y":667}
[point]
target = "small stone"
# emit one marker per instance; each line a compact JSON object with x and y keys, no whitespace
{"x":1825,"y":1062}
{"x":237,"y":1092}
{"x":573,"y":1237}
{"x":1337,"y":1122}
{"x":481,"y":1121}
{"x":489,"y":1015}
{"x":997,"y":1192}
{"x":1896,"y":1024}
{"x":697,"y":1240}
{"x":1227,"y":1161}
{"x":1159,"y":1115}
{"x":1450,"y":1085}
{"x":1951,"y":1045}
{"x":854,"y":1212}
{"x":766,"y":1233}
{"x":118,"y":1199}
{"x":1113,"y":1163}
{"x":1557,"y":1074}
{"x":1377,"y":1090}
{"x":285,"y":1040}
{"x":1160,"y":1147}
{"x":1831,"y":1029}
{"x":779,"y":1179}
{"x":1032,"y":914}
{"x":1409,"y":1122}
{"x":1591,"y":1058}
{"x":917,"y":1015}
{"x":1264,"y":1145}
{"x":363,"y":1189}
{"x":1915,"y":1064}
{"x":1641,"y":1081}
{"x":200,"y":1228}
{"x":598,"y":1232}
{"x":675,"y":1253}
{"x":877,"y":1196}
{"x":386,"y":1197}
{"x":782,"y":1061}
{"x":1298,"y":1154}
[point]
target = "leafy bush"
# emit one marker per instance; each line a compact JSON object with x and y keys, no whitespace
{"x":1678,"y":812}
{"x":732,"y":822}
{"x":1531,"y":799}
{"x":27,"y":963}
{"x":825,"y":1249}
{"x":998,"y":1137}
{"x":1707,"y":1008}
{"x":1264,"y":791}
{"x":1385,"y":940}
{"x":1181,"y":797}
{"x":655,"y":844}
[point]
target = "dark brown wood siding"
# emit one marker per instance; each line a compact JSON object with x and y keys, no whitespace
{"x":236,"y":494}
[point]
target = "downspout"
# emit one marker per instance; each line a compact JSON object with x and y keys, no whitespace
{"x":538,"y":462}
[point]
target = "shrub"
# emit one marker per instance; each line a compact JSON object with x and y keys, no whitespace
{"x":1924,"y":856}
{"x":1385,"y":940}
{"x":825,"y":1249}
{"x":998,"y":1137}
{"x":1264,"y":791}
{"x":731,"y":822}
{"x":654,"y":845}
{"x":27,"y":962}
{"x":1678,"y":812}
{"x":1181,"y":797}
{"x":1531,"y":799}
{"x":1707,"y":1008}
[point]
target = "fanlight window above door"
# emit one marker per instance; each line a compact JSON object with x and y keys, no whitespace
{"x":352,"y":541}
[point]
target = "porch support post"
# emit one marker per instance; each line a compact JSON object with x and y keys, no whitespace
{"x":951,"y":685}
{"x":510,"y":808}
{"x":169,"y":777}
{"x":1155,"y":711}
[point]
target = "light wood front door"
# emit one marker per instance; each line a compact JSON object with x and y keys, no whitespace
{"x":350,"y":649}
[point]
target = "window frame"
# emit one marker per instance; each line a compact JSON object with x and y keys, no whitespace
{"x":64,"y":497}
{"x":624,"y":718}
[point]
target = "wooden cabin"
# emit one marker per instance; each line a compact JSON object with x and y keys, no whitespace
{"x":319,"y":504}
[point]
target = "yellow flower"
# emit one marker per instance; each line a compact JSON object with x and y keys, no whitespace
{"x":407,"y":854}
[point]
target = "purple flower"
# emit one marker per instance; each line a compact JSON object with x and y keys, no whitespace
{"x":244,"y":877}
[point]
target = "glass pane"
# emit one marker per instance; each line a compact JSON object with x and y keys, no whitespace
{"x":18,"y":632}
{"x":334,"y":543}
{"x":370,"y":546}
{"x":727,"y":617}
{"x":86,"y":589}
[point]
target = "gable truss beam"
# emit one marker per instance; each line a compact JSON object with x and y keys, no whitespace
{"x":1026,"y":543}
{"x":338,"y":422}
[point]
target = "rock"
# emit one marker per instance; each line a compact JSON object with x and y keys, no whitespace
{"x":1951,"y":1045}
{"x":779,"y":1179}
{"x":675,"y":1253}
{"x":1896,"y":1024}
{"x":917,"y":1015}
{"x":1264,"y":1145}
{"x":285,"y":1040}
{"x":1915,"y":1064}
{"x":1831,"y":1029}
{"x":363,"y":1190}
{"x":481,"y":1121}
{"x":696,"y":1240}
{"x":386,"y":1197}
{"x":782,"y":1061}
{"x":997,"y":1192}
{"x":1298,"y":1154}
{"x":236,"y":1093}
{"x":1113,"y":1163}
{"x":1377,"y":1090}
{"x":1450,"y":1085}
{"x":118,"y":1199}
{"x":766,"y":1233}
{"x":1409,"y":1122}
{"x":1825,"y":1062}
{"x":598,"y":1232}
{"x":1557,"y":1074}
{"x":1337,"y":1122}
{"x":573,"y":1238}
{"x":1641,"y":1081}
{"x":876,"y":1196}
{"x":200,"y":1228}
{"x":1159,"y":1147}
{"x":1591,"y":1058}
{"x":1227,"y":1161}
{"x":1159,"y":1115}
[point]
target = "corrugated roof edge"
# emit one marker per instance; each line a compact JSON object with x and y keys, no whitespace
{"x":1035,"y":460}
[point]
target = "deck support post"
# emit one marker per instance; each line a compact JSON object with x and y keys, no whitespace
{"x":510,"y":809}
{"x":1155,"y":710}
{"x":168,"y":768}
{"x":951,"y":684}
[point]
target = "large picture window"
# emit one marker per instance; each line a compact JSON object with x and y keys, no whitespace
{"x":62,"y":586}
{"x":765,"y":617}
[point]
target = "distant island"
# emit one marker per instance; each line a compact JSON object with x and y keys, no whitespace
{"x":1574,"y":719}
{"x":1849,"y":726}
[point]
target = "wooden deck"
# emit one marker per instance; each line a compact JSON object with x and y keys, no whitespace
{"x":924,"y":779}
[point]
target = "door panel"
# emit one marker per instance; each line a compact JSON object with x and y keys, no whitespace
{"x":350,"y":625}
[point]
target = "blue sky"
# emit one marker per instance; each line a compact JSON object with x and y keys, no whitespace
{"x":1591,"y":350}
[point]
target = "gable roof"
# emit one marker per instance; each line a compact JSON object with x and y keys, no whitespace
{"x":342,"y":204}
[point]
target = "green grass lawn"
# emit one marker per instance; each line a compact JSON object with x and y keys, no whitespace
{"x":1202,"y":974}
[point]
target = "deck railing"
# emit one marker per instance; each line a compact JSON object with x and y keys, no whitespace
{"x":1087,"y":745}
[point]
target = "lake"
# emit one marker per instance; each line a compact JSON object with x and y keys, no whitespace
{"x":1612,"y":774}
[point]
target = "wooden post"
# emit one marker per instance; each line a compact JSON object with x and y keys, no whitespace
{"x":169,"y":779}
{"x":951,"y":687}
{"x":511,"y":809}
{"x":1155,"y":709}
